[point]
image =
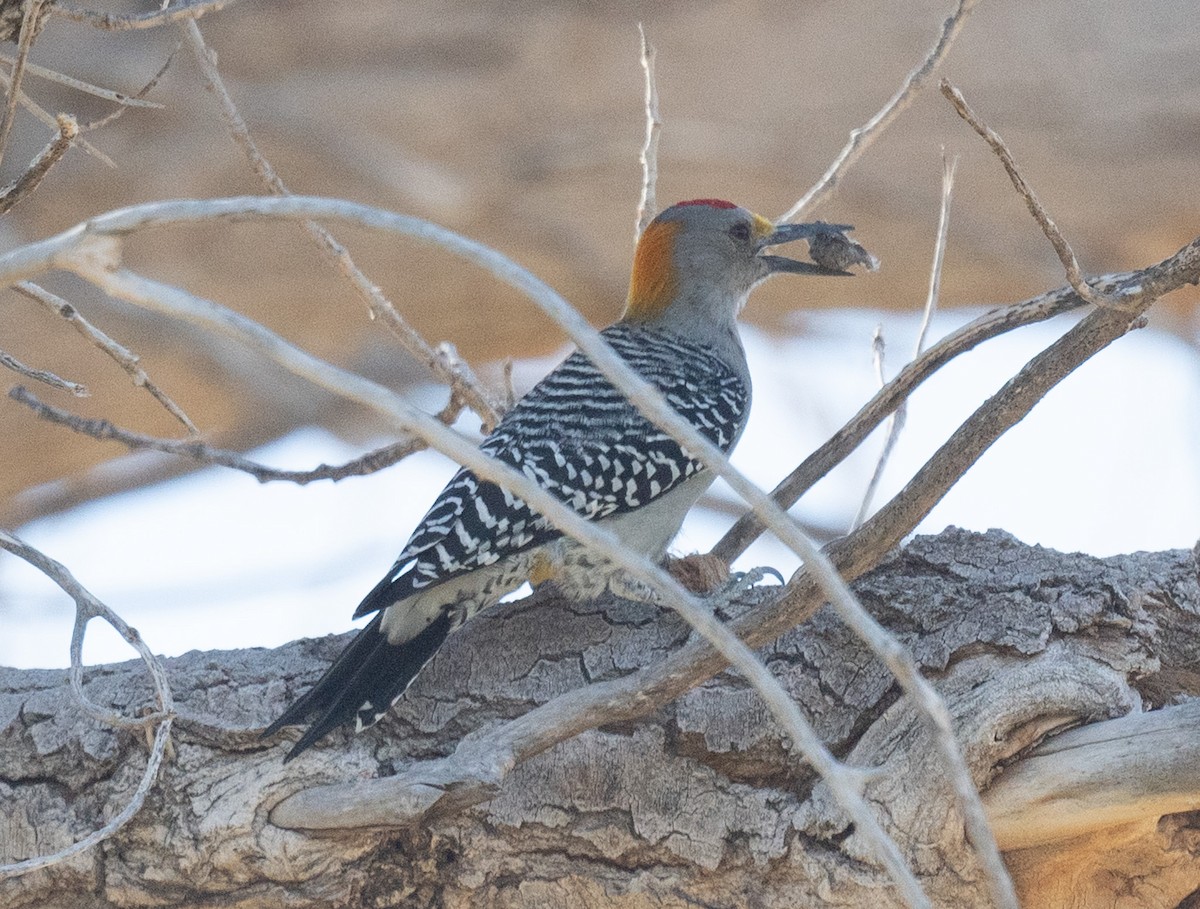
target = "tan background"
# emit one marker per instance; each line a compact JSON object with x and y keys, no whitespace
{"x":519,"y":124}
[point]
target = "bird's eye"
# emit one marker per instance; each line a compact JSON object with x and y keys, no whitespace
{"x":740,"y":231}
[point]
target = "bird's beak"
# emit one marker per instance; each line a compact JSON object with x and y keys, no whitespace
{"x":787,"y":233}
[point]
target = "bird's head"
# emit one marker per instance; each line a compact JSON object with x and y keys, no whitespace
{"x":701,"y":259}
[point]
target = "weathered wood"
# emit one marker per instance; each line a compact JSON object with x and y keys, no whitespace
{"x":699,"y":804}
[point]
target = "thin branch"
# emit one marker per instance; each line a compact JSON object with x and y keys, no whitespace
{"x":103,"y":430}
{"x":137,"y":96}
{"x":178,"y":303}
{"x":25,"y":184}
{"x":878,"y":350}
{"x":30,"y":25}
{"x":87,"y":88}
{"x":862,"y":138}
{"x":156,"y":18}
{"x":648,"y":204}
{"x":122,"y":356}
{"x":88,"y":607}
{"x":43,"y":376}
{"x":990,"y":325}
{"x":51,"y":122}
{"x":1065,"y":254}
{"x":900,"y":416}
{"x":449,"y":369}
{"x":939,"y":253}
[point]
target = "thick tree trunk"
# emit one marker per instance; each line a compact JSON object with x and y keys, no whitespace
{"x":701,"y":804}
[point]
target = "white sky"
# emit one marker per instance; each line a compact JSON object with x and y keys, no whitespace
{"x":1106,"y":464}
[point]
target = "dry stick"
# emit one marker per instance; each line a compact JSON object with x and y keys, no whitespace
{"x":748,"y":528}
{"x":878,"y":350}
{"x":86,"y":87}
{"x":29,"y":30}
{"x":88,"y":607}
{"x":898,"y":418}
{"x":443,"y":362}
{"x":178,"y":303}
{"x":865,"y":135}
{"x":153,"y":19}
{"x":139,"y":95}
{"x":648,"y":203}
{"x":51,"y":122}
{"x":25,"y":184}
{"x":125,"y":358}
{"x":1049,"y":228}
{"x":43,"y":376}
{"x":103,"y":430}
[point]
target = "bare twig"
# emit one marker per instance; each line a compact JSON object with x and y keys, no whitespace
{"x":153,"y":19}
{"x":990,"y":325}
{"x":861,"y":138}
{"x":137,"y":96}
{"x":43,"y":376}
{"x":87,"y":88}
{"x":30,"y":23}
{"x":451,"y":370}
{"x":178,"y":303}
{"x":898,"y":418}
{"x":88,"y":607}
{"x":123,"y":357}
{"x":1065,"y":254}
{"x":878,"y":350}
{"x":51,"y":122}
{"x":103,"y":430}
{"x":40,"y":166}
{"x":648,"y":204}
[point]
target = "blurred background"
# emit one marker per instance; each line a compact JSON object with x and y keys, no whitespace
{"x":519,"y":124}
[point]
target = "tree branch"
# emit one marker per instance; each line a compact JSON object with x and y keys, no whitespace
{"x":648,"y":203}
{"x":862,"y":138}
{"x":181,"y":12}
{"x":103,"y":430}
{"x":1143,"y":765}
{"x":122,"y":356}
{"x":443,"y":362}
{"x":1065,"y":254}
{"x":87,"y":607}
{"x":25,"y":184}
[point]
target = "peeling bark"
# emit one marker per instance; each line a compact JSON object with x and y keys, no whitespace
{"x":698,"y":805}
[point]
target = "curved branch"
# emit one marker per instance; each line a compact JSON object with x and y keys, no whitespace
{"x":87,"y":607}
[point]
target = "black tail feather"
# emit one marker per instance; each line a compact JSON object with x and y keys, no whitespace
{"x":362,"y":682}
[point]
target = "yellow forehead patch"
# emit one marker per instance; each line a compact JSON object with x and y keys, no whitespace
{"x":654,"y":281}
{"x":761,"y":227}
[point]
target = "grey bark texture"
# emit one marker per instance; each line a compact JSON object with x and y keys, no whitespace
{"x":700,"y":804}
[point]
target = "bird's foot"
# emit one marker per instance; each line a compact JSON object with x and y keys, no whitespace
{"x":738,"y":585}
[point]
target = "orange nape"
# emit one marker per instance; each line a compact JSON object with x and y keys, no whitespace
{"x":654,"y":281}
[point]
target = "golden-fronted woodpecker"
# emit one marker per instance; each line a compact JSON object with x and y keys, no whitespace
{"x":578,"y":437}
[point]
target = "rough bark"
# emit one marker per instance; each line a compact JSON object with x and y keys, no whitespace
{"x":698,"y":805}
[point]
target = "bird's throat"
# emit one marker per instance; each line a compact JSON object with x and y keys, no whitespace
{"x":655,"y":281}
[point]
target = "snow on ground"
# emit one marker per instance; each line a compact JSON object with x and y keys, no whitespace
{"x":1106,"y":464}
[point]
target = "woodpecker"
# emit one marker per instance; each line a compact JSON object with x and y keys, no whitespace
{"x":578,"y":437}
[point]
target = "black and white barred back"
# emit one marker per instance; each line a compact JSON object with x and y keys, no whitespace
{"x":578,"y":437}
